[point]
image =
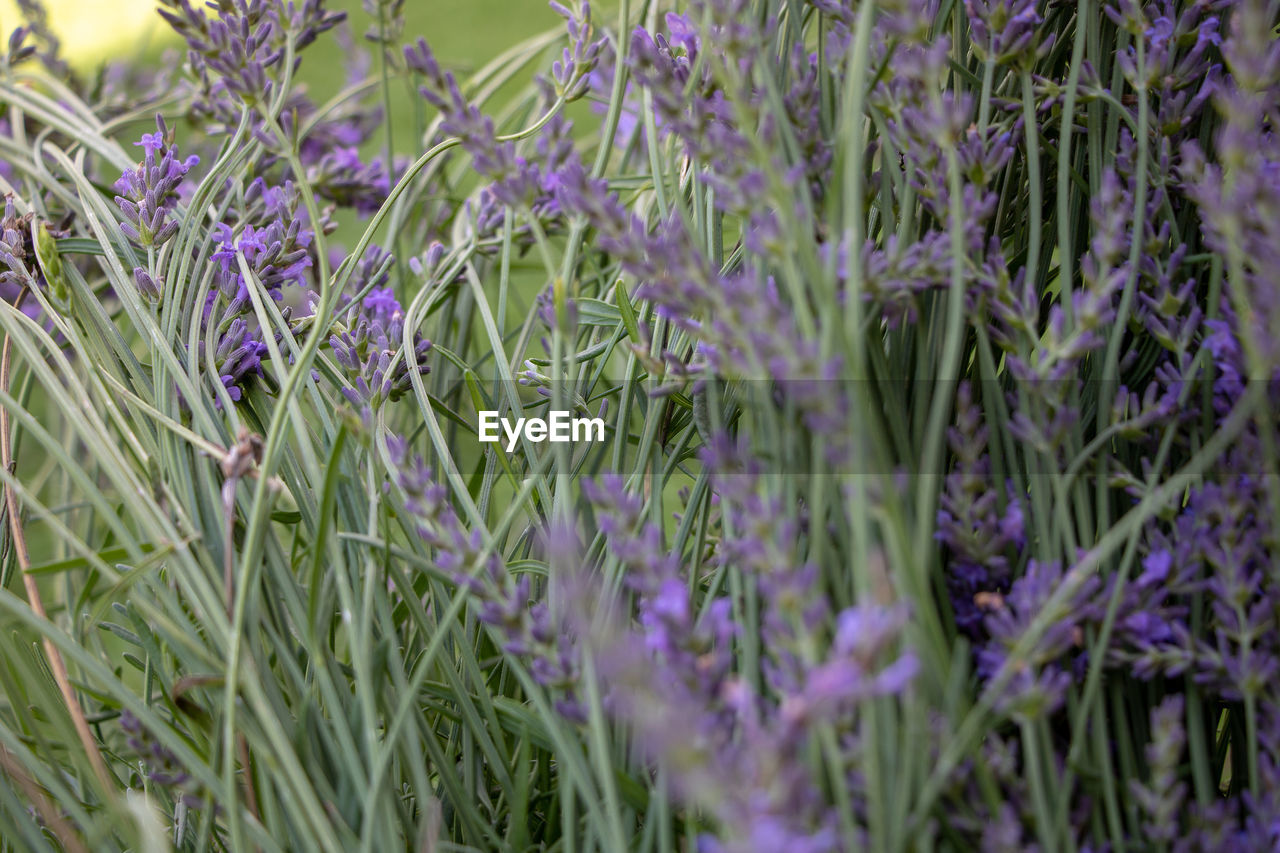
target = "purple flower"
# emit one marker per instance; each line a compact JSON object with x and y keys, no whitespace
{"x":237,"y":356}
{"x":978,"y":534}
{"x":147,"y":284}
{"x":728,"y":746}
{"x":46,"y":47}
{"x":1237,"y":186}
{"x":850,"y":674}
{"x":236,"y":53}
{"x":149,"y":193}
{"x":373,"y":337}
{"x":1005,"y":30}
{"x":571,"y":74}
{"x":526,"y":629}
{"x":340,"y":176}
{"x":1037,"y":680}
{"x":161,"y":767}
{"x":277,"y":252}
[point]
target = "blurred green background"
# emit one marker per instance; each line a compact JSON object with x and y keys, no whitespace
{"x":462,"y":32}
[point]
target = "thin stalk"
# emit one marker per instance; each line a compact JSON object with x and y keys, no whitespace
{"x":58,"y":666}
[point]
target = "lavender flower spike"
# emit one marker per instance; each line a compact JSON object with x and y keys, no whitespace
{"x":147,"y":194}
{"x":572,"y":72}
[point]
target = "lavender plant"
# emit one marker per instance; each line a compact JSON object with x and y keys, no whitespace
{"x":935,"y":500}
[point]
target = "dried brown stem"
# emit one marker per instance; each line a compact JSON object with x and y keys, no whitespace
{"x":56,"y":664}
{"x":53,"y":819}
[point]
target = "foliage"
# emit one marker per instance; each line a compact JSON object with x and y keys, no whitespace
{"x":937,"y":507}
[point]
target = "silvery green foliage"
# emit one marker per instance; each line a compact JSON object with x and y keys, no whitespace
{"x":939,"y":496}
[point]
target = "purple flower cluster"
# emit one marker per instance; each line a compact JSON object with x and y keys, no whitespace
{"x":732,"y":667}
{"x":980,"y":526}
{"x":1196,"y":613}
{"x":375,"y":330}
{"x":1237,"y":195}
{"x":17,"y":49}
{"x":1040,"y":677}
{"x":517,"y":614}
{"x":275,"y":254}
{"x":149,"y":193}
{"x":710,"y":103}
{"x":571,"y":74}
{"x":672,"y":270}
{"x":237,"y":57}
{"x":160,"y":765}
{"x":233,"y":53}
{"x":1005,"y":30}
{"x":732,"y":743}
{"x":1212,"y":563}
{"x":517,"y":181}
{"x":951,"y":504}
